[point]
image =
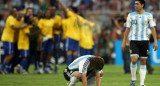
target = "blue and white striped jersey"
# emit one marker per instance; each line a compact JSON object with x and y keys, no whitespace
{"x":139,"y":25}
{"x":82,"y":64}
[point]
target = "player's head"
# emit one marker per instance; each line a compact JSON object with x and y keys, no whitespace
{"x":20,"y":15}
{"x":139,"y":4}
{"x":52,"y":10}
{"x":13,"y":12}
{"x":29,"y":11}
{"x":74,"y":9}
{"x":47,"y":14}
{"x":97,"y":62}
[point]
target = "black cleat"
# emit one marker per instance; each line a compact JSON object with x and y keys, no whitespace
{"x":133,"y":82}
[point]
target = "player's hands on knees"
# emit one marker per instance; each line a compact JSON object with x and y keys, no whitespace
{"x":155,"y":46}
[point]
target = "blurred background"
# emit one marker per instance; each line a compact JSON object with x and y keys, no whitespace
{"x":105,"y":14}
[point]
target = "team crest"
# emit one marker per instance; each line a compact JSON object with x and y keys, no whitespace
{"x":134,"y":21}
{"x":146,"y":22}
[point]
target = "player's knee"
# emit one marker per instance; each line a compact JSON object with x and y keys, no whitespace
{"x":101,"y":74}
{"x":78,"y":75}
{"x":69,"y":52}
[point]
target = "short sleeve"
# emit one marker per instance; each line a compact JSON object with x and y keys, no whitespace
{"x":151,"y":21}
{"x":128,"y":22}
{"x":40,"y":24}
{"x":11,"y":21}
{"x":70,"y":14}
{"x":83,"y":65}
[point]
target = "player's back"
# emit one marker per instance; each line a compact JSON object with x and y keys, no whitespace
{"x":75,"y":64}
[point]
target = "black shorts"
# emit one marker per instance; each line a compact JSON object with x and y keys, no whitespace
{"x":140,"y":48}
{"x":67,"y":73}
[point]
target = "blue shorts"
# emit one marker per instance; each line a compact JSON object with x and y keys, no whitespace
{"x":9,"y":48}
{"x":24,"y":53}
{"x":56,"y":43}
{"x":47,"y":46}
{"x":64,"y":45}
{"x":72,"y":44}
{"x":85,"y":51}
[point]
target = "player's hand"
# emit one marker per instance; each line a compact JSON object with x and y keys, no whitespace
{"x":155,"y":46}
{"x":123,"y":46}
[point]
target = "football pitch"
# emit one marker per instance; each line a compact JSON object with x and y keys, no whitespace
{"x":113,"y":76}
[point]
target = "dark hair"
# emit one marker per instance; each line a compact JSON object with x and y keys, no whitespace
{"x":97,"y":62}
{"x":142,"y":2}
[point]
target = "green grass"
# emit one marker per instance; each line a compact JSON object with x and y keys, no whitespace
{"x":113,"y":76}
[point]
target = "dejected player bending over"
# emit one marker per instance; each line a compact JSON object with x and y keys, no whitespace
{"x":87,"y":68}
{"x":138,"y":23}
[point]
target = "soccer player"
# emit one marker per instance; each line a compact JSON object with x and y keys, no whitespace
{"x":23,"y":46}
{"x":57,"y":35}
{"x":138,"y":23}
{"x":86,"y":41}
{"x":9,"y":38}
{"x":87,"y":68}
{"x":73,"y":33}
{"x":46,"y":26}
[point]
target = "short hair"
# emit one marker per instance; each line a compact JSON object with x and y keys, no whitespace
{"x":97,"y":62}
{"x":142,"y":2}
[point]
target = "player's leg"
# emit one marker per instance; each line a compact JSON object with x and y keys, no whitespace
{"x":143,"y":59}
{"x":134,"y":50}
{"x":9,"y":52}
{"x":75,"y":49}
{"x":49,"y":55}
{"x":74,"y":78}
{"x":41,"y":60}
{"x":69,"y":47}
{"x":24,"y":54}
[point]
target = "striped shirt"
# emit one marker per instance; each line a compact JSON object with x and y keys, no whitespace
{"x":82,"y":64}
{"x":139,"y":25}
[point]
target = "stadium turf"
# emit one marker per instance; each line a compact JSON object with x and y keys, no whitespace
{"x":113,"y":76}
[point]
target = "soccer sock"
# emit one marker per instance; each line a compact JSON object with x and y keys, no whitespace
{"x":3,"y":66}
{"x":75,"y":57}
{"x":24,"y":64}
{"x":69,"y":59}
{"x":133,"y":71}
{"x":142,"y":74}
{"x":73,"y":81}
{"x":40,"y":64}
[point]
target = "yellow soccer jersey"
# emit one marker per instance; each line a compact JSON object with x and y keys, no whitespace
{"x":65,"y":27}
{"x":86,"y":40}
{"x":73,"y":27}
{"x":23,"y":39}
{"x":9,"y":34}
{"x":58,"y":22}
{"x":46,"y":27}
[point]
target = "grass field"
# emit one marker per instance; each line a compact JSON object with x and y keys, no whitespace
{"x":113,"y":76}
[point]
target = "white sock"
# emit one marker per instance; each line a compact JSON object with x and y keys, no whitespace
{"x":142,"y":74}
{"x":73,"y":81}
{"x":133,"y":68}
{"x":91,"y":81}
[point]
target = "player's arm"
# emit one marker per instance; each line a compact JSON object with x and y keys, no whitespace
{"x":98,"y":79}
{"x":65,"y":9}
{"x":125,"y":38}
{"x":155,"y":38}
{"x":128,"y":25}
{"x":83,"y":65}
{"x":84,"y":79}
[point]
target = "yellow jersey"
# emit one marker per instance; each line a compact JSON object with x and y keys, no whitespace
{"x":58,"y":22}
{"x":86,"y":40}
{"x":9,"y":34}
{"x":46,"y":27}
{"x":65,"y":27}
{"x":73,"y":27}
{"x":23,"y":39}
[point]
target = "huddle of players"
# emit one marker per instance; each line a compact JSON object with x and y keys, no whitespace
{"x":50,"y":29}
